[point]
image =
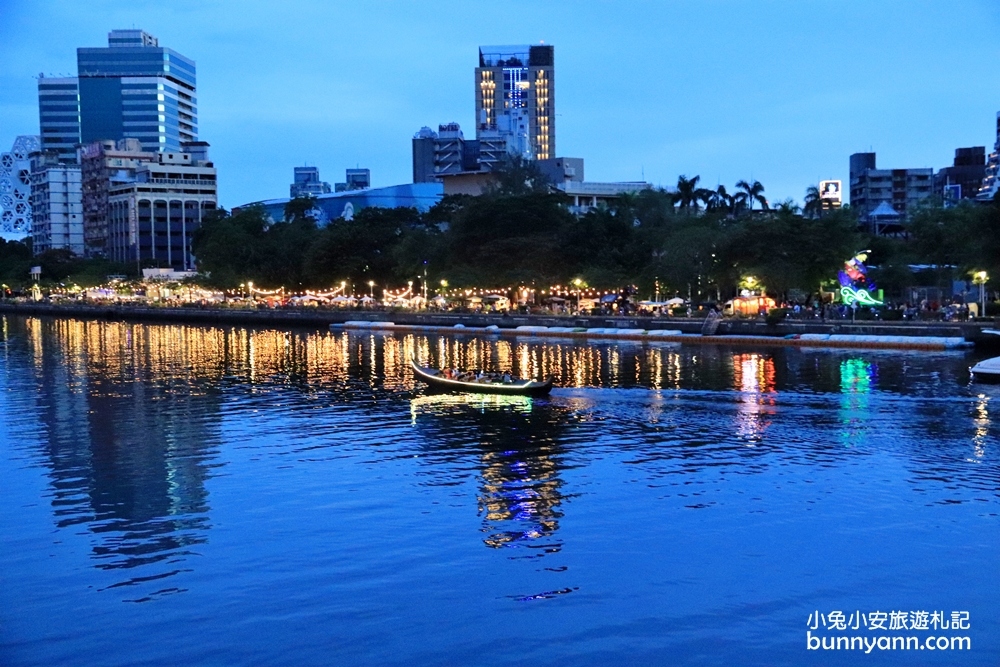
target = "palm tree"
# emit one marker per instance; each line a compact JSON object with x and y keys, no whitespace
{"x":688,"y":193}
{"x":788,"y":206}
{"x":719,"y":199}
{"x":813,"y":203}
{"x":752,"y":192}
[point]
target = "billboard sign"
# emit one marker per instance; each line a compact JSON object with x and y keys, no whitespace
{"x":829,"y":191}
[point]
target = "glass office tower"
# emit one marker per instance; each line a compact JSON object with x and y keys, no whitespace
{"x":134,"y":88}
{"x":59,"y":116}
{"x":137,"y":89}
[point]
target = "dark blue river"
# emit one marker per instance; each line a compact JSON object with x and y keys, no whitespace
{"x":182,"y":495}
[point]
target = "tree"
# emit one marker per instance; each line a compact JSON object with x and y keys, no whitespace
{"x":752,"y":192}
{"x":688,"y":193}
{"x":719,"y":199}
{"x":813,"y":207}
{"x":518,"y":176}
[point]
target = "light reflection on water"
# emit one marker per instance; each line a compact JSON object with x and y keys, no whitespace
{"x":155,"y":440}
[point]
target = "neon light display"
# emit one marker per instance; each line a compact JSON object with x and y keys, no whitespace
{"x":855,"y":288}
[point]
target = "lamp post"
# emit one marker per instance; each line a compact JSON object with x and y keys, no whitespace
{"x":981,"y":277}
{"x":371,"y":288}
{"x":578,"y":283}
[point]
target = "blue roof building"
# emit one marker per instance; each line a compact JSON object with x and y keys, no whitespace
{"x":343,"y":205}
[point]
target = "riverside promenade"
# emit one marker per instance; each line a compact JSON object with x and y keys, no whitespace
{"x":889,"y":335}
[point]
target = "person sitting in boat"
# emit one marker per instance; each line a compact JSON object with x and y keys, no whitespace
{"x":505,"y":378}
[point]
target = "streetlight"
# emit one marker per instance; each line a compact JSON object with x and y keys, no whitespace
{"x":981,"y":277}
{"x":371,"y":288}
{"x":578,"y":283}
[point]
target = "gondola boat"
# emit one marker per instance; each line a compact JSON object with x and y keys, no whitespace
{"x":435,"y":380}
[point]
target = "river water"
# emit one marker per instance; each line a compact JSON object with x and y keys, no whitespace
{"x":192,"y":495}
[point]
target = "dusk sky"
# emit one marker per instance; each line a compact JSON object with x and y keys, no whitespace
{"x":781,"y":91}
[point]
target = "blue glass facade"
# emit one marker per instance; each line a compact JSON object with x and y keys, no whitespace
{"x":59,"y":116}
{"x":131,"y":89}
{"x":154,"y":101}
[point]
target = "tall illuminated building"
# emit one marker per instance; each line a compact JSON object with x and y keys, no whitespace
{"x":131,"y":89}
{"x":137,"y":89}
{"x":515,"y":99}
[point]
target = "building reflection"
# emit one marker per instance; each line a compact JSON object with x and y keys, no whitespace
{"x":129,"y":440}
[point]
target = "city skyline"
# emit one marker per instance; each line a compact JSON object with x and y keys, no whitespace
{"x":782,"y":94}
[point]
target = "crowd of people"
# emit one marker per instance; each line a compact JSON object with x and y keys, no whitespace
{"x":477,"y":376}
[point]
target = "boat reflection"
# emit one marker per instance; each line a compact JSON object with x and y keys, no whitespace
{"x":517,"y":456}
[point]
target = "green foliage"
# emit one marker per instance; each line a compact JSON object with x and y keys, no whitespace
{"x":777,"y":316}
{"x":520,"y":231}
{"x":15,"y":262}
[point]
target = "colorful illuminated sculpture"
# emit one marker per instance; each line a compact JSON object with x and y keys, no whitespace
{"x":855,"y":288}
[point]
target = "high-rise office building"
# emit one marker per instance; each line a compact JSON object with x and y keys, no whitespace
{"x":515,"y":98}
{"x":59,"y":116}
{"x":133,"y":88}
{"x":136,"y":88}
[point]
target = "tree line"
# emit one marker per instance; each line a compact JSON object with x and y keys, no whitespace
{"x":690,"y":241}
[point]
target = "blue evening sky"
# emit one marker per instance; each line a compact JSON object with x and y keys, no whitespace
{"x":782,"y":91}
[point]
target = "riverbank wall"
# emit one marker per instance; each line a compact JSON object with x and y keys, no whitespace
{"x":811,"y":333}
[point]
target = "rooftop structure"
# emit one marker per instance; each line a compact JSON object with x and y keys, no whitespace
{"x":307,"y":183}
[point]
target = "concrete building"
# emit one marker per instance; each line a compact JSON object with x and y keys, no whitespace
{"x":562,"y":169}
{"x":15,"y":186}
{"x":515,"y":97}
{"x":991,"y":178}
{"x":151,"y":220}
{"x":133,"y":88}
{"x":56,"y":204}
{"x":963,"y":179}
{"x":105,"y":165}
{"x":446,"y":151}
{"x":585,"y":196}
{"x":307,"y":183}
{"x":902,"y":189}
